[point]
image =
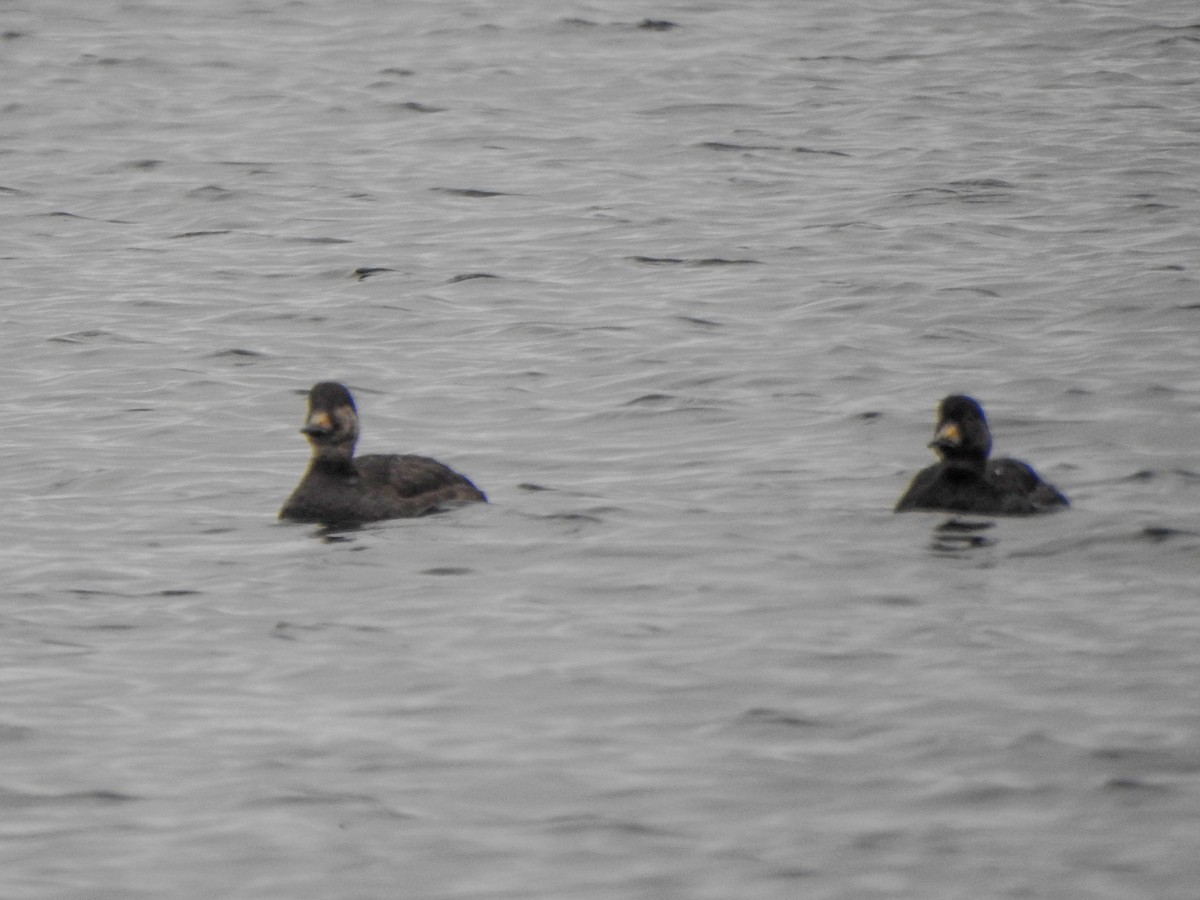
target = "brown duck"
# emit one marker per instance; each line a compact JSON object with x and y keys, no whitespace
{"x":340,"y":488}
{"x":966,"y":480}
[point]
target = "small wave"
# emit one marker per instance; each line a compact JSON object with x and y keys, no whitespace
{"x":681,"y":261}
{"x":473,"y":193}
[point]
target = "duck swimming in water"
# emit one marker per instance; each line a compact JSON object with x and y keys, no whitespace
{"x":340,"y":488}
{"x":965,"y":480}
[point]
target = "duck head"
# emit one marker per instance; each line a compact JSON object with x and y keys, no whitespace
{"x":332,"y":422}
{"x":962,"y":432}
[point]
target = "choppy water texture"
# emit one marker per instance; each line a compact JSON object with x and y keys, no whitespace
{"x":679,"y":286}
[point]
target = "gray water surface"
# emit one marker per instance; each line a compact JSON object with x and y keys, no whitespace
{"x":679,"y":286}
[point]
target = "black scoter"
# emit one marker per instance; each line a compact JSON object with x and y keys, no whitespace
{"x":340,"y":488}
{"x":966,"y":480}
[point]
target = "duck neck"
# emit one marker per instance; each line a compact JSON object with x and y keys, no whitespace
{"x":971,"y":462}
{"x":337,"y":460}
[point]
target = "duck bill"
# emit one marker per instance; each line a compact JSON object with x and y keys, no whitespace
{"x":947,"y":437}
{"x":318,"y":424}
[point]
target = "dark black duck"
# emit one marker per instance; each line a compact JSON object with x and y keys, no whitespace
{"x":966,"y":480}
{"x":340,"y":488}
